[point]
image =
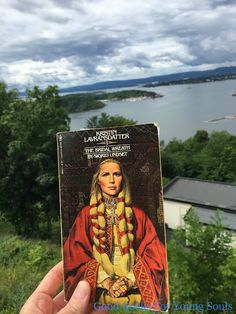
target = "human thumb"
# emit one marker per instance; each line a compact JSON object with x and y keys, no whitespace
{"x":79,"y":302}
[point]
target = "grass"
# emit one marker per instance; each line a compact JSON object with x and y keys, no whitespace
{"x":23,"y":263}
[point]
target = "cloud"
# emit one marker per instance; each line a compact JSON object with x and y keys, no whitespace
{"x":80,"y":42}
{"x":29,"y":72}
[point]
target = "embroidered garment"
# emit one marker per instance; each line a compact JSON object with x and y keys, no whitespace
{"x":149,"y":264}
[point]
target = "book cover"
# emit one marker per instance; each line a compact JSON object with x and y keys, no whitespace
{"x":112,"y":221}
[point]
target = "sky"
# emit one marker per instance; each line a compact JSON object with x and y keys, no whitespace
{"x":79,"y":42}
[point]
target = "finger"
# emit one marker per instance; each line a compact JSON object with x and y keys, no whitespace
{"x":37,"y":303}
{"x":52,"y":281}
{"x":121,"y":294}
{"x":79,"y":302}
{"x":115,"y":287}
{"x":112,"y":293}
{"x":117,"y":294}
{"x":122,"y":289}
{"x":59,"y":301}
{"x":121,"y":282}
{"x":41,"y":297}
{"x":120,"y":279}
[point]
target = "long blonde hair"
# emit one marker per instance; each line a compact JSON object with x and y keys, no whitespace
{"x":125,"y":226}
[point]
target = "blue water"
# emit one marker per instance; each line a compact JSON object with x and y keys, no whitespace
{"x":180,"y":113}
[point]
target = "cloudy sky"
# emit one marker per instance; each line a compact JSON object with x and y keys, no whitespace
{"x":78,"y":42}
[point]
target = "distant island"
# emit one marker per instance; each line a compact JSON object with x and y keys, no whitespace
{"x":218,"y":74}
{"x":193,"y":81}
{"x":89,"y":101}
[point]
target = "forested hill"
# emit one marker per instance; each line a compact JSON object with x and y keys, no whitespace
{"x":223,"y":73}
{"x":88,"y":101}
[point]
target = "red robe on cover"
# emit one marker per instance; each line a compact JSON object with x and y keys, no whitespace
{"x":150,"y":267}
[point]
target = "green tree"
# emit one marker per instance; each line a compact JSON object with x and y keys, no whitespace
{"x":228,"y":270}
{"x":6,"y":97}
{"x":197,"y":256}
{"x":209,"y":157}
{"x":106,"y":120}
{"x":219,"y":157}
{"x":29,"y":181}
{"x":172,"y":159}
{"x":201,"y":137}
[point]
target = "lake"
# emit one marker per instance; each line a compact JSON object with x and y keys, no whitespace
{"x":182,"y":111}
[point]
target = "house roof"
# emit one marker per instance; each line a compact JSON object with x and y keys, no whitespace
{"x":202,"y":193}
{"x":206,"y":216}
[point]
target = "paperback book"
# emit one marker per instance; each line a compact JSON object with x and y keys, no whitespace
{"x":112,"y":220}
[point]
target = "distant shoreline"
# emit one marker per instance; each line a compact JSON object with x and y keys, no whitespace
{"x":216,"y":120}
{"x":208,"y":79}
{"x":80,"y":102}
{"x":218,"y":74}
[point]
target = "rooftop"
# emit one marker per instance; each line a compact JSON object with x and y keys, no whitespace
{"x":206,"y":216}
{"x":203,"y":193}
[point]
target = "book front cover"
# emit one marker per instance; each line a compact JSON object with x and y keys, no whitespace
{"x":112,"y":220}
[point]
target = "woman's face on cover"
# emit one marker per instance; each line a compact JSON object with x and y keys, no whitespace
{"x":110,"y":179}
